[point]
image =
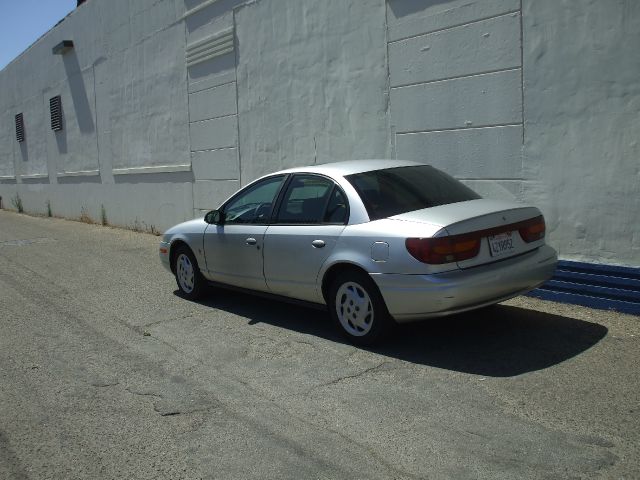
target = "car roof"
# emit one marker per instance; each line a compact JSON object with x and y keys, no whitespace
{"x":350,"y":167}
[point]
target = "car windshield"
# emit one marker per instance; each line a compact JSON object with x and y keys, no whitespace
{"x":398,"y":190}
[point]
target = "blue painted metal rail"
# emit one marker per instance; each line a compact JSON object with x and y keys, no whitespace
{"x":606,"y":287}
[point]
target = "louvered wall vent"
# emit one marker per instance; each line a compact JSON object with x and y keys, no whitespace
{"x":55,"y":106}
{"x":20,"y":128}
{"x":210,"y":47}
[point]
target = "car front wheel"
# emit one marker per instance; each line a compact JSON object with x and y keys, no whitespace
{"x":358,"y":308}
{"x":188,"y":276}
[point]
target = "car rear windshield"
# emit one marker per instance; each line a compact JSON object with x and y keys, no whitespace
{"x":398,"y":190}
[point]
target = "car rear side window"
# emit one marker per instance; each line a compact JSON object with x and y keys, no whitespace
{"x":398,"y":190}
{"x":337,"y":208}
{"x":311,"y":199}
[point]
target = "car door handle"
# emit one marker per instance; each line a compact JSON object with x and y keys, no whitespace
{"x":251,"y":241}
{"x":318,"y":243}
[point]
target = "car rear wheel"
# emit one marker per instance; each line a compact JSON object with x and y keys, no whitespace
{"x":188,"y":276}
{"x":358,"y":308}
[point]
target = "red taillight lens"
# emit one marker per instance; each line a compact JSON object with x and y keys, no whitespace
{"x":455,"y":248}
{"x":441,"y":250}
{"x":533,"y":229}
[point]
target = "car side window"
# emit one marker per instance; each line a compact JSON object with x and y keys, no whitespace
{"x":305,"y":200}
{"x":337,"y":208}
{"x":254,"y":205}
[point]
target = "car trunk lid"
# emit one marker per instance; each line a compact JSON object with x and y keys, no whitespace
{"x":495,"y":224}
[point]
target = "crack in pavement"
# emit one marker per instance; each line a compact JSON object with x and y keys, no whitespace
{"x":25,"y":242}
{"x":263,"y":428}
{"x":346,"y":377}
{"x":104,"y":384}
{"x":75,"y":315}
{"x":143,"y":394}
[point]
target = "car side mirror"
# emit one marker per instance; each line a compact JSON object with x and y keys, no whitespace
{"x":214,"y":217}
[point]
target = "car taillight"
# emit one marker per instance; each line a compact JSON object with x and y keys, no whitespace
{"x":532,"y":230}
{"x":440,"y":250}
{"x":455,"y":248}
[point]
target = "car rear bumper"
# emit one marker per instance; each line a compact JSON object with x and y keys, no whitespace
{"x":414,"y":297}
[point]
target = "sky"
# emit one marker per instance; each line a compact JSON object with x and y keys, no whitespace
{"x":24,"y":21}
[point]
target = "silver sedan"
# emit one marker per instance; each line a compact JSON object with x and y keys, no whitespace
{"x":377,"y":241}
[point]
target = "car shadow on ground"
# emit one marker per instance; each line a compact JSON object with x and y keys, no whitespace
{"x":499,"y":341}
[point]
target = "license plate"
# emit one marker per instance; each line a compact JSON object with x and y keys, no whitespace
{"x":501,"y":244}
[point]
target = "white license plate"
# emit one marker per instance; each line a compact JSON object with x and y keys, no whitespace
{"x":501,"y":244}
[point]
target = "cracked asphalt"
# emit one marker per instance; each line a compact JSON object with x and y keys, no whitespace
{"x":105,"y":372}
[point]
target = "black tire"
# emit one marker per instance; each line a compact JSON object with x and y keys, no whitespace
{"x":190,"y":281}
{"x":358,"y":309}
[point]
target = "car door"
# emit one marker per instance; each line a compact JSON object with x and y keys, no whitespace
{"x":233,"y":249}
{"x":312,"y":214}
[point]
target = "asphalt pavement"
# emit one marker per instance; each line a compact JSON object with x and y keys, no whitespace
{"x":106,"y":372}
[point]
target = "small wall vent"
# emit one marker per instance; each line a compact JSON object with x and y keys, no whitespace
{"x":210,"y":47}
{"x":55,"y":106}
{"x":63,"y":47}
{"x":20,"y":127}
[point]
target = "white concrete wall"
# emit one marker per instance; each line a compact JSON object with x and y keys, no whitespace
{"x":213,"y":103}
{"x":456,"y":89}
{"x":125,"y":140}
{"x":582,"y":125}
{"x":7,"y":143}
{"x":171,"y":105}
{"x":312,"y":83}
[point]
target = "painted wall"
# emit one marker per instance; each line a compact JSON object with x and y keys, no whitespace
{"x":582,"y":125}
{"x":171,"y":105}
{"x":312,"y":83}
{"x":456,"y":89}
{"x":213,"y":102}
{"x":125,"y":141}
